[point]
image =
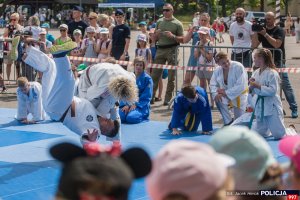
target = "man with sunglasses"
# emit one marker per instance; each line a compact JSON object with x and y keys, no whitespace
{"x":168,"y":33}
{"x":273,"y":37}
{"x":29,"y":96}
{"x":77,"y":22}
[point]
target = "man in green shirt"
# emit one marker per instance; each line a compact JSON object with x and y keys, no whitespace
{"x":168,"y":33}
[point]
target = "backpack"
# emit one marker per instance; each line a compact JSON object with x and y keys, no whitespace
{"x":147,"y":53}
{"x":107,"y":44}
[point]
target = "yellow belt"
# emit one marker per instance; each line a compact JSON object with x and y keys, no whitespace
{"x":187,"y":119}
{"x":238,"y":99}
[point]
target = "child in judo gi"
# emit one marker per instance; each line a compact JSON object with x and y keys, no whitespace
{"x":29,"y":95}
{"x":191,"y":106}
{"x":268,"y":107}
{"x":229,"y":87}
{"x":140,"y":110}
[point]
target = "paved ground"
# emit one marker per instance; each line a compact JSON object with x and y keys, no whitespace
{"x":162,"y":113}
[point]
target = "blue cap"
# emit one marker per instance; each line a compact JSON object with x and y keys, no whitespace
{"x":78,"y":8}
{"x":45,"y":25}
{"x":119,"y":12}
{"x":142,"y":23}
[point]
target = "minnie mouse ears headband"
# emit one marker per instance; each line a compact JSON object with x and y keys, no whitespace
{"x":136,"y":158}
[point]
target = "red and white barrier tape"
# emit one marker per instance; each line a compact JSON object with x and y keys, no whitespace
{"x":160,"y":66}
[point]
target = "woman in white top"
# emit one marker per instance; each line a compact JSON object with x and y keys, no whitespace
{"x":229,"y":87}
{"x":34,"y":27}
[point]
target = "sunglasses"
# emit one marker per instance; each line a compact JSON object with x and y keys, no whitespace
{"x":13,"y":19}
{"x":166,"y":10}
{"x":63,"y":30}
{"x":91,"y":18}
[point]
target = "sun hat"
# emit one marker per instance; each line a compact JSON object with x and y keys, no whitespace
{"x":142,"y":23}
{"x":43,"y":31}
{"x":203,"y":30}
{"x":142,"y":37}
{"x":65,"y":26}
{"x":90,"y":29}
{"x":45,"y":25}
{"x":104,"y":31}
{"x":252,"y":153}
{"x":77,"y":31}
{"x":188,"y":168}
{"x":290,"y":146}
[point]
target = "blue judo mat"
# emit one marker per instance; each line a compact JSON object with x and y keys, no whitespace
{"x":27,"y":171}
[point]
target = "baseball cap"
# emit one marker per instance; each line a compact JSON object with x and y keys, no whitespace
{"x":142,"y":37}
{"x":290,"y":146}
{"x":104,"y":31}
{"x":203,"y":30}
{"x":252,"y":153}
{"x":78,"y":8}
{"x":189,"y":168}
{"x":90,"y":29}
{"x":43,"y":31}
{"x":45,"y":25}
{"x":107,"y":168}
{"x":65,"y":26}
{"x":119,"y":12}
{"x":142,"y":23}
{"x":27,"y":33}
{"x":81,"y":67}
{"x":77,"y":31}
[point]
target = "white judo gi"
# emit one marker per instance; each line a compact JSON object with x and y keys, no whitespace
{"x":57,"y":92}
{"x":236,"y":90}
{"x":268,"y":108}
{"x":31,"y":103}
{"x":93,"y":86}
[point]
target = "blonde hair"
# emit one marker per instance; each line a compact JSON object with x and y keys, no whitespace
{"x":140,"y":59}
{"x":266,"y":55}
{"x":103,"y":17}
{"x":22,"y":81}
{"x":221,"y":55}
{"x":124,"y":89}
{"x":16,"y":15}
{"x":34,"y":21}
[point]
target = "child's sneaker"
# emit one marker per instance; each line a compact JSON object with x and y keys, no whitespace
{"x":14,"y":49}
{"x":63,"y":48}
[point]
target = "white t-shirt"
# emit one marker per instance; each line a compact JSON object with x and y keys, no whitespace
{"x":241,"y":35}
{"x":35,"y":31}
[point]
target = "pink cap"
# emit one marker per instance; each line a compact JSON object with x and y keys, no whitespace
{"x":188,"y":168}
{"x":290,"y":146}
{"x":203,"y":30}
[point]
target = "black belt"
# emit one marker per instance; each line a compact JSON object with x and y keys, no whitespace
{"x":72,"y":106}
{"x":167,"y":46}
{"x":64,"y":115}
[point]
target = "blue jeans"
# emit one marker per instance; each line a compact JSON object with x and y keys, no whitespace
{"x":288,"y":91}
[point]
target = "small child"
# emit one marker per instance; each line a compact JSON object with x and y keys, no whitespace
{"x":104,"y":45}
{"x":264,"y":83}
{"x":29,"y":96}
{"x":77,"y":34}
{"x":142,"y":49}
{"x":88,"y":46}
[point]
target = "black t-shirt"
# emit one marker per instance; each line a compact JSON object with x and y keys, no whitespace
{"x":277,"y":33}
{"x":119,"y":34}
{"x":81,"y":25}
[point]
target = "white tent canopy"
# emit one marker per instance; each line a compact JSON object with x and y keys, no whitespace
{"x":126,"y":5}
